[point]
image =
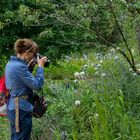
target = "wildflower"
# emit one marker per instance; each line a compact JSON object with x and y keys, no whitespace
{"x":77,"y":103}
{"x":96,"y":116}
{"x":132,"y":50}
{"x":112,"y":51}
{"x":85,"y":66}
{"x":96,"y":68}
{"x":103,"y":74}
{"x":117,"y":48}
{"x":98,"y":65}
{"x":75,"y":81}
{"x":101,"y":61}
{"x":135,"y":74}
{"x":130,"y":69}
{"x":76,"y":74}
{"x":82,"y":75}
{"x":98,"y":56}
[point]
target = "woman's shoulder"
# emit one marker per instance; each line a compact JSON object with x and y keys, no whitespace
{"x":15,"y":66}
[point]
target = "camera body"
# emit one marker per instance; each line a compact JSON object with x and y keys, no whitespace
{"x":39,"y":56}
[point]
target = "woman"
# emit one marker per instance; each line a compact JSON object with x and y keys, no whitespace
{"x":21,"y":83}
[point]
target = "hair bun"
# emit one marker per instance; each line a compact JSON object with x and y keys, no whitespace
{"x":20,"y":42}
{"x":22,"y":45}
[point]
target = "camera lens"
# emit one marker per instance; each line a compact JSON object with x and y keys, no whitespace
{"x":47,"y":63}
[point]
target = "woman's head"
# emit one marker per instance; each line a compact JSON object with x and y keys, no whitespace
{"x":25,"y":48}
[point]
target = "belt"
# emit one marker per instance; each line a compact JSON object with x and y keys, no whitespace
{"x":16,"y":100}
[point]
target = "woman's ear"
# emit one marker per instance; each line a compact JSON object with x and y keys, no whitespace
{"x":26,"y":54}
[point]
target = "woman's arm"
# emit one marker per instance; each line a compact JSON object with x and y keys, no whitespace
{"x":26,"y":77}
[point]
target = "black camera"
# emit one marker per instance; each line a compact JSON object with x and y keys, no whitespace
{"x":32,"y":63}
{"x":39,"y":56}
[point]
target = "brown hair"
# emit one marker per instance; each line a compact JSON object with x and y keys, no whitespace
{"x":23,"y":45}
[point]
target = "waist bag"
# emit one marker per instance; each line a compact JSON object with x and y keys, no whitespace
{"x":39,"y":103}
{"x":40,"y":106}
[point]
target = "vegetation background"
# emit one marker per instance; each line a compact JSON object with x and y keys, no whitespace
{"x":92,"y":85}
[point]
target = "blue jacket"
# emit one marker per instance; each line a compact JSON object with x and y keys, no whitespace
{"x":20,"y":81}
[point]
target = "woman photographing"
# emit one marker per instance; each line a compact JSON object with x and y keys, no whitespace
{"x":21,"y":83}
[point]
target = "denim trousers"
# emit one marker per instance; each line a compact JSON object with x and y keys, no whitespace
{"x":25,"y":125}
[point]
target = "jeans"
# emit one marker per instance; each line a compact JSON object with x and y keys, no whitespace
{"x":25,"y":125}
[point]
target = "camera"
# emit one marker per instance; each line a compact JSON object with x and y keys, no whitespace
{"x":32,"y":63}
{"x":39,"y":56}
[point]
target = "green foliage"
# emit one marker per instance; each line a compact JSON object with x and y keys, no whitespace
{"x":3,"y":61}
{"x":109,"y":104}
{"x":58,"y":27}
{"x":98,"y":106}
{"x":107,"y":89}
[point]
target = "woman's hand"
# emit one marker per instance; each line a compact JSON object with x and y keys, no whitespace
{"x":31,"y":65}
{"x":42,"y":61}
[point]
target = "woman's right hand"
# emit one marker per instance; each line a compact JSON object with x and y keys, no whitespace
{"x":42,"y":61}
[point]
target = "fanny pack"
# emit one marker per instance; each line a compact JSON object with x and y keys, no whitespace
{"x":40,"y":105}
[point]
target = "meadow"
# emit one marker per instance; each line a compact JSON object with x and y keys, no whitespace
{"x":92,"y":96}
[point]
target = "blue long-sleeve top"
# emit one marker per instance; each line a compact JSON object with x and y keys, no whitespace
{"x":20,"y":82}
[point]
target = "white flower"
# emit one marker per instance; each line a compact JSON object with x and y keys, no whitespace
{"x":85,"y":66}
{"x":77,"y":103}
{"x":132,"y":50}
{"x":82,"y":75}
{"x":101,"y":61}
{"x":117,"y":48}
{"x":96,"y":116}
{"x":76,"y":74}
{"x":96,"y":68}
{"x":135,"y":74}
{"x":98,"y":65}
{"x":112,"y":51}
{"x":75,"y":81}
{"x":98,"y":56}
{"x":130,"y":69}
{"x":103,"y":74}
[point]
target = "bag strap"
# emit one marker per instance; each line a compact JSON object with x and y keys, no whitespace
{"x":17,"y":113}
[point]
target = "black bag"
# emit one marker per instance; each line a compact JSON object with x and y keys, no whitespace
{"x":40,"y":106}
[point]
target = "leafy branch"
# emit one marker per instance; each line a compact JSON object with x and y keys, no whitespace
{"x":131,"y":59}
